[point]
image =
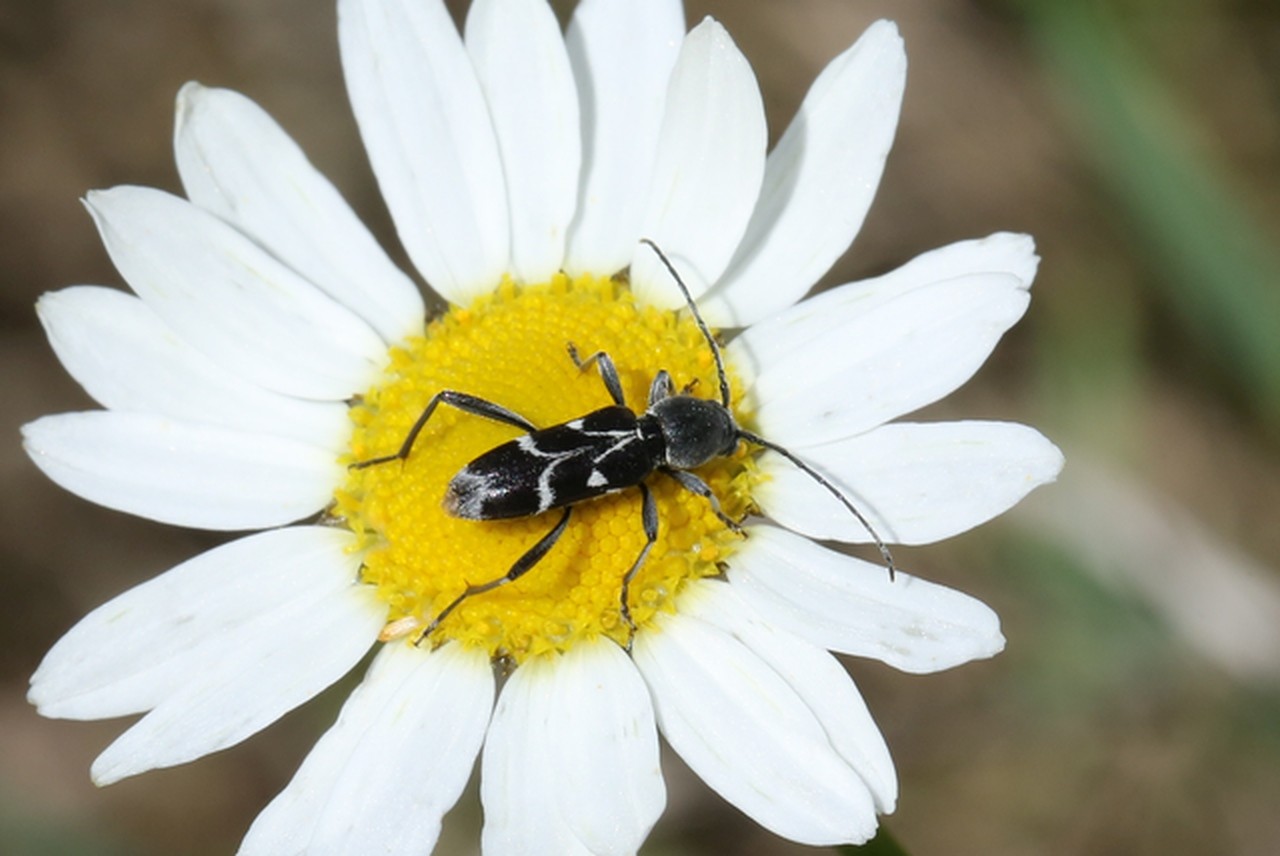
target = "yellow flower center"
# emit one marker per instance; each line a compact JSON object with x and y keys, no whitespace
{"x":510,"y":347}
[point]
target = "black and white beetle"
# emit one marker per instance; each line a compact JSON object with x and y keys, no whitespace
{"x":608,"y":450}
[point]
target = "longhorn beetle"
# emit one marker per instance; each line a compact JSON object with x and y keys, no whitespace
{"x":606,"y":451}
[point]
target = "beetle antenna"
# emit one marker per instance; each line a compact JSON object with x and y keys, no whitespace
{"x":832,"y":489}
{"x":697,"y":316}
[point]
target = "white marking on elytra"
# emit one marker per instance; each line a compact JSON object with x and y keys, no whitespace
{"x":546,"y":494}
{"x":528,"y":444}
{"x":470,"y":488}
{"x":627,"y":440}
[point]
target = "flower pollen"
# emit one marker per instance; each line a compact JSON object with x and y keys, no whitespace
{"x":511,"y":347}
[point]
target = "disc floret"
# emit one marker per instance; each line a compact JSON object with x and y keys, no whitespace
{"x":511,"y":347}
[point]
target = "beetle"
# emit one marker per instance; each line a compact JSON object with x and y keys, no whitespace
{"x":608,"y":450}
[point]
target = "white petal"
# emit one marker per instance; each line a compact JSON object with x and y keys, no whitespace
{"x":622,"y":53}
{"x":743,"y":728}
{"x":589,"y":713}
{"x":915,"y":483}
{"x":132,"y":652}
{"x":238,"y":163}
{"x":817,"y":678}
{"x":857,"y":367}
{"x":819,"y":182}
{"x":398,"y":757}
{"x":851,"y":606}
{"x":253,"y":679}
{"x":182,"y":473}
{"x":430,"y":140}
{"x":1001,"y":252}
{"x":120,"y":351}
{"x":523,"y":69}
{"x":521,"y":808}
{"x":232,"y":300}
{"x":602,"y":730}
{"x":710,"y":164}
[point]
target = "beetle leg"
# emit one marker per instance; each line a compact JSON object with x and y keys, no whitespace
{"x":464,"y":402}
{"x":694,"y":484}
{"x":661,"y":388}
{"x":521,"y":567}
{"x":608,"y":372}
{"x":649,"y":517}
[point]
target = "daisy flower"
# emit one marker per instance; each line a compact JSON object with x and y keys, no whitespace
{"x":270,"y":344}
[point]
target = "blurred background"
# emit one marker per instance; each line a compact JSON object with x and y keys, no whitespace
{"x":1137,"y":707}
